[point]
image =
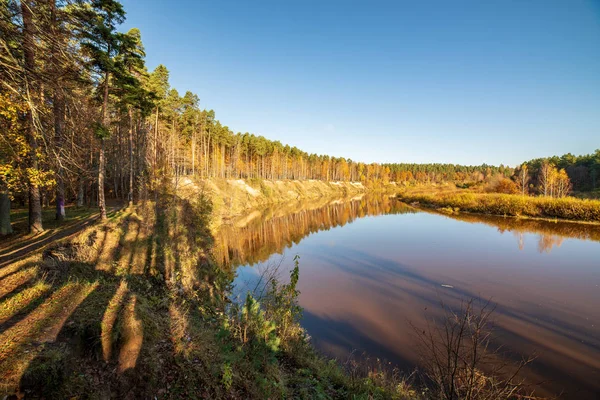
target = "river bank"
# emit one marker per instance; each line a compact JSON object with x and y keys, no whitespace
{"x":567,"y":209}
{"x":231,"y":198}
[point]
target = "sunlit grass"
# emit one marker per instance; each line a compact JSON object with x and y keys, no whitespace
{"x":19,"y":217}
{"x":568,"y":208}
{"x":21,"y":301}
{"x":108,"y":321}
{"x":19,"y":344}
{"x":15,"y":280}
{"x":132,"y":336}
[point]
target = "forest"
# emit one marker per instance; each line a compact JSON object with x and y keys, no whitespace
{"x":83,"y":120}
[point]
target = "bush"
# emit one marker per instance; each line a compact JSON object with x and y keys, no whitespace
{"x":460,"y":360}
{"x":500,"y":184}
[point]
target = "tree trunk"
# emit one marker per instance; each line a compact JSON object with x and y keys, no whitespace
{"x":156,"y":139}
{"x":194,"y":151}
{"x":5,"y":227}
{"x":81,"y":193}
{"x":130,"y":195}
{"x":101,"y":168}
{"x":59,"y":113}
{"x":35,"y":205}
{"x":58,"y":105}
{"x":101,"y":160}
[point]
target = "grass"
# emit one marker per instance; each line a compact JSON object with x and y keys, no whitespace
{"x":19,"y":217}
{"x":568,"y":208}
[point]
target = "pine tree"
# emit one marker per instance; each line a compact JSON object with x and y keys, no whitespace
{"x":103,"y":44}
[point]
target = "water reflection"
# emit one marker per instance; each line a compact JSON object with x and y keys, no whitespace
{"x":361,"y":283}
{"x":550,"y":233}
{"x":257,"y":236}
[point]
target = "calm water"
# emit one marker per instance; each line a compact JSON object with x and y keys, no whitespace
{"x":370,"y":267}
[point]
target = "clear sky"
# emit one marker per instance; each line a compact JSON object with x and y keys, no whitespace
{"x":401,"y":81}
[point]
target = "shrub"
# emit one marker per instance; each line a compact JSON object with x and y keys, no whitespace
{"x":500,"y":184}
{"x":506,"y":186}
{"x":460,"y":361}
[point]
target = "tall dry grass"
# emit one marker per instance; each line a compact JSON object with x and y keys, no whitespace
{"x":568,"y":208}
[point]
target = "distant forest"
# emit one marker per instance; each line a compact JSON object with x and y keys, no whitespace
{"x":583,"y":171}
{"x":82,"y":118}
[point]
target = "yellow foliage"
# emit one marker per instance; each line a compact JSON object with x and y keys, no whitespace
{"x":14,"y":149}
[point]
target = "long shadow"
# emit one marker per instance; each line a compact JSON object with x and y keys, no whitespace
{"x":77,"y":351}
{"x":16,"y":270}
{"x":56,"y":279}
{"x":104,"y":234}
{"x":24,"y":249}
{"x":79,"y":336}
{"x":32,"y":305}
{"x":116,"y":254}
{"x":150,"y":243}
{"x":159,"y":242}
{"x":14,"y":243}
{"x":15,"y":290}
{"x":134,"y":246}
{"x":79,"y":341}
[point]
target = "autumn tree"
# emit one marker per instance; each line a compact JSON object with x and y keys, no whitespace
{"x":546,"y":177}
{"x":562,"y":184}
{"x":31,"y":92}
{"x":522,"y":178}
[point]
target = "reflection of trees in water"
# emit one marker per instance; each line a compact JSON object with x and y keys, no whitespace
{"x":546,"y":242}
{"x":264,"y":236}
{"x":550,"y":233}
{"x":520,"y":239}
{"x":280,"y":228}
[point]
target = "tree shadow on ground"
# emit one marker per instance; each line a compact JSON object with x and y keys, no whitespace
{"x":113,"y":336}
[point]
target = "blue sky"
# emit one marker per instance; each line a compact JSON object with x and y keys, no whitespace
{"x":402,"y":81}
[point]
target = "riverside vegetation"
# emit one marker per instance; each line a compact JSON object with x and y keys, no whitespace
{"x":516,"y":205}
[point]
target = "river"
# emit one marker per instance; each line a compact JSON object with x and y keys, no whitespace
{"x":372,"y":269}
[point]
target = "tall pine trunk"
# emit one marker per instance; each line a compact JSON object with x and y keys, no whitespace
{"x":194,"y":149}
{"x":58,"y":109}
{"x":35,"y":205}
{"x":130,"y":195}
{"x":101,"y":159}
